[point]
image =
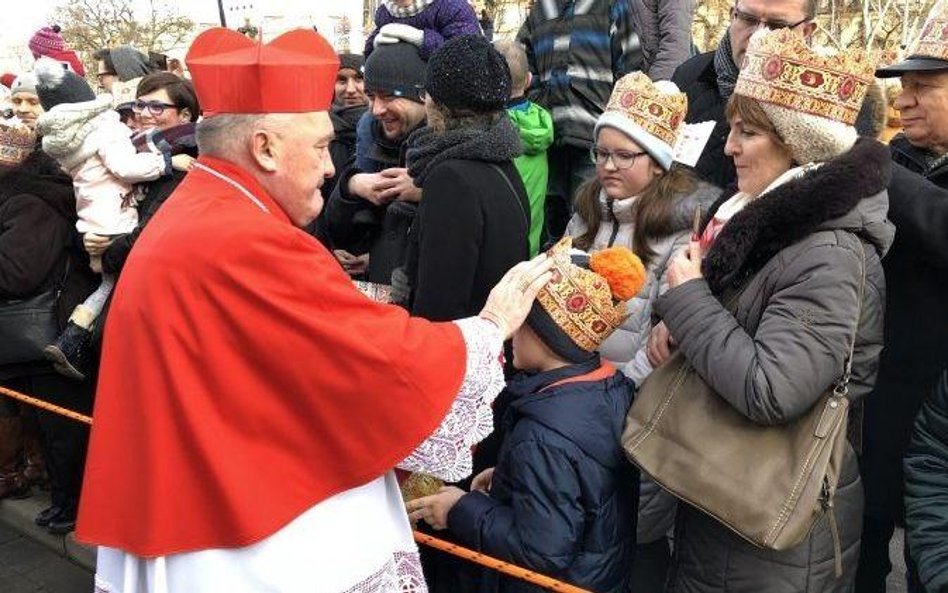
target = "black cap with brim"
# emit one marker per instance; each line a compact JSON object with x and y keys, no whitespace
{"x":912,"y":64}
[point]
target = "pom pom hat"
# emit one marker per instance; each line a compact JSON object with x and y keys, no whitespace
{"x":811,"y":99}
{"x":584,"y":302}
{"x":55,"y":85}
{"x":294,"y":73}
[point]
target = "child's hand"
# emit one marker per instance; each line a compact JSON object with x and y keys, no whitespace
{"x":434,"y":509}
{"x":182,"y":162}
{"x":396,"y":32}
{"x":483,"y":480}
{"x":96,"y":245}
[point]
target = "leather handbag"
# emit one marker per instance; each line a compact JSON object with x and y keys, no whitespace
{"x":768,"y":484}
{"x":29,"y":325}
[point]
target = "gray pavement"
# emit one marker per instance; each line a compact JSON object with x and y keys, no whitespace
{"x":28,"y":566}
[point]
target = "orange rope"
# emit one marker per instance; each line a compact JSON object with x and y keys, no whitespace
{"x":45,"y":406}
{"x":433,"y":542}
{"x":498,"y":565}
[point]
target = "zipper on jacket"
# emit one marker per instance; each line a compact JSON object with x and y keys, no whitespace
{"x":615,"y":221}
{"x":826,"y":501}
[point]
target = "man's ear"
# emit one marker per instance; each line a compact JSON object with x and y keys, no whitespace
{"x":265,"y":149}
{"x":528,"y":82}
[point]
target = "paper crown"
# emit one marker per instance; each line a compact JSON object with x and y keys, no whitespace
{"x":16,"y":143}
{"x":589,"y":304}
{"x":933,"y":42}
{"x":658,"y":112}
{"x":294,"y":73}
{"x":781,"y":70}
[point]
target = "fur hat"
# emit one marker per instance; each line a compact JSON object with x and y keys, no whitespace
{"x":16,"y":143}
{"x":811,"y":99}
{"x":56,"y":85}
{"x":584,"y":302}
{"x":468,"y":73}
{"x":397,"y":70}
{"x":649,"y":113}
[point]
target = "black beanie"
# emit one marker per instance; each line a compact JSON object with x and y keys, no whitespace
{"x":352,"y":62}
{"x":56,"y":85}
{"x":396,"y":70}
{"x":468,"y":73}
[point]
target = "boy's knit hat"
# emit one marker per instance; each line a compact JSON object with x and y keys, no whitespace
{"x":56,"y":85}
{"x":584,"y":302}
{"x":16,"y":143}
{"x":397,"y":70}
{"x":50,"y":43}
{"x":651,"y":114}
{"x":811,"y":99}
{"x":468,"y":73}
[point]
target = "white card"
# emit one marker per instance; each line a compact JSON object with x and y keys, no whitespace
{"x":691,"y":142}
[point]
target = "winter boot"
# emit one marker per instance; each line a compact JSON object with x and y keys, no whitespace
{"x":67,"y":353}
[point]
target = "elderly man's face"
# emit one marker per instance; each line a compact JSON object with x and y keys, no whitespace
{"x":302,"y":164}
{"x":923,"y":105}
{"x":748,"y":16}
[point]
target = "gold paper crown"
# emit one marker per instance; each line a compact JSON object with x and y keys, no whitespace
{"x":933,"y":42}
{"x":781,"y":70}
{"x":660,"y":114}
{"x":16,"y":143}
{"x":581,"y":302}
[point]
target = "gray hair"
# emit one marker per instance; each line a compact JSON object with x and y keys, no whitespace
{"x":222,"y":135}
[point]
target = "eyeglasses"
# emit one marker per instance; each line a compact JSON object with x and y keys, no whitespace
{"x":752,"y":21}
{"x":622,"y":159}
{"x":154,"y":107}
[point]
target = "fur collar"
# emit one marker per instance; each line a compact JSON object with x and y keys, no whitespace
{"x":40,"y":176}
{"x":793,"y":211}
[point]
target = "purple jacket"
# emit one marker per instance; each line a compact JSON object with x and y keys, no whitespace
{"x":441,"y":20}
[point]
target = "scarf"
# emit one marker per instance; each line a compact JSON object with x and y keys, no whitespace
{"x":494,"y":143}
{"x":404,"y":12}
{"x":725,"y":67}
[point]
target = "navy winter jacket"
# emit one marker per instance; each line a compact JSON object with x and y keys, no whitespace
{"x":563,"y":499}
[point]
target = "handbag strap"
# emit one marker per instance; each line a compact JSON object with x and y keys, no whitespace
{"x":842,"y":385}
{"x":513,"y":190}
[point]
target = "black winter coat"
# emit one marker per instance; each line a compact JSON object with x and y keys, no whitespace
{"x":926,"y":491}
{"x":915,"y":159}
{"x":698,"y":79}
{"x":470,"y":229}
{"x":37,"y":237}
{"x":563,"y":499}
{"x":916,"y":333}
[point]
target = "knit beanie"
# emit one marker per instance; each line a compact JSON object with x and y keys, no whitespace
{"x":56,"y":85}
{"x":16,"y":143}
{"x":585,"y":300}
{"x":6,"y":79}
{"x":24,"y":83}
{"x":468,"y":73}
{"x":49,"y":42}
{"x":352,"y":62}
{"x":395,"y":70}
{"x":811,"y":99}
{"x":651,"y":114}
{"x":129,"y":63}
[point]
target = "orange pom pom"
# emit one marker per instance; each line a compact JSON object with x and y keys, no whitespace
{"x":622,"y":269}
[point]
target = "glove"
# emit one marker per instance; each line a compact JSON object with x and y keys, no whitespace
{"x":401,"y":288}
{"x":397,"y":32}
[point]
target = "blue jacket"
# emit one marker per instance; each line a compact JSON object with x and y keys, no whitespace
{"x":563,"y":499}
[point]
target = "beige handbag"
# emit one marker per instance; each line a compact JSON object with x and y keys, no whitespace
{"x":768,"y":484}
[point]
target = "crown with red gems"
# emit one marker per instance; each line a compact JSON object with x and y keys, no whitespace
{"x":659,"y":113}
{"x":781,"y":70}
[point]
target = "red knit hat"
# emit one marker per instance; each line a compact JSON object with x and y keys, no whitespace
{"x":294,"y":73}
{"x":7,"y":78}
{"x":48,"y":42}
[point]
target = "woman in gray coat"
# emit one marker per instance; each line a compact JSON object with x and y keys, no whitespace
{"x":800,"y":245}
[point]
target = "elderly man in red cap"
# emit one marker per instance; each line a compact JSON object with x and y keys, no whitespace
{"x":252,"y":403}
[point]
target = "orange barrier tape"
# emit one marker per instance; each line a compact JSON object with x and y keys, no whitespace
{"x":500,"y":566}
{"x":422,"y":538}
{"x":46,"y":406}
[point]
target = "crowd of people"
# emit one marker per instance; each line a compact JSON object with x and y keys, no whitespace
{"x":437,"y":284}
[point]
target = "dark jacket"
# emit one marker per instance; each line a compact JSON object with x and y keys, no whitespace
{"x":916,"y":334}
{"x":798,"y":251}
{"x":342,"y":149}
{"x":698,"y":79}
{"x":563,"y":497}
{"x":917,"y":160}
{"x":470,"y":229}
{"x":926,"y":491}
{"x":37,"y":238}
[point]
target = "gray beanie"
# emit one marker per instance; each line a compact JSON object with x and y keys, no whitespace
{"x":129,"y":63}
{"x":56,"y":85}
{"x":24,"y":83}
{"x":396,"y":70}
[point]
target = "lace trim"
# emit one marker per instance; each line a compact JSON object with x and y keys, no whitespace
{"x":101,"y":586}
{"x":401,"y":574}
{"x":446,"y":454}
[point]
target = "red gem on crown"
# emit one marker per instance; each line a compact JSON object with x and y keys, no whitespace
{"x":599,"y":326}
{"x":772,"y":68}
{"x":576,"y":303}
{"x":847,"y":89}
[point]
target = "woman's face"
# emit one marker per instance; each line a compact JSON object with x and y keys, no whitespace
{"x":616,"y":150}
{"x":169,"y":117}
{"x":759,"y":159}
{"x":26,"y":106}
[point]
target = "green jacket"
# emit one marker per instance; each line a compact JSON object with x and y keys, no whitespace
{"x":536,"y":133}
{"x":926,"y":491}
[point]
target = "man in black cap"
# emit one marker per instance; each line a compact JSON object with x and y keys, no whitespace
{"x":916,"y":323}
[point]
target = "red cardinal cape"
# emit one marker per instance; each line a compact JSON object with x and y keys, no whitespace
{"x":244,"y":379}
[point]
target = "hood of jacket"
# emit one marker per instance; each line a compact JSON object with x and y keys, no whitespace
{"x":40,"y":176}
{"x":846,"y":193}
{"x":589,"y":414}
{"x":535,"y":126}
{"x":66,"y":127}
